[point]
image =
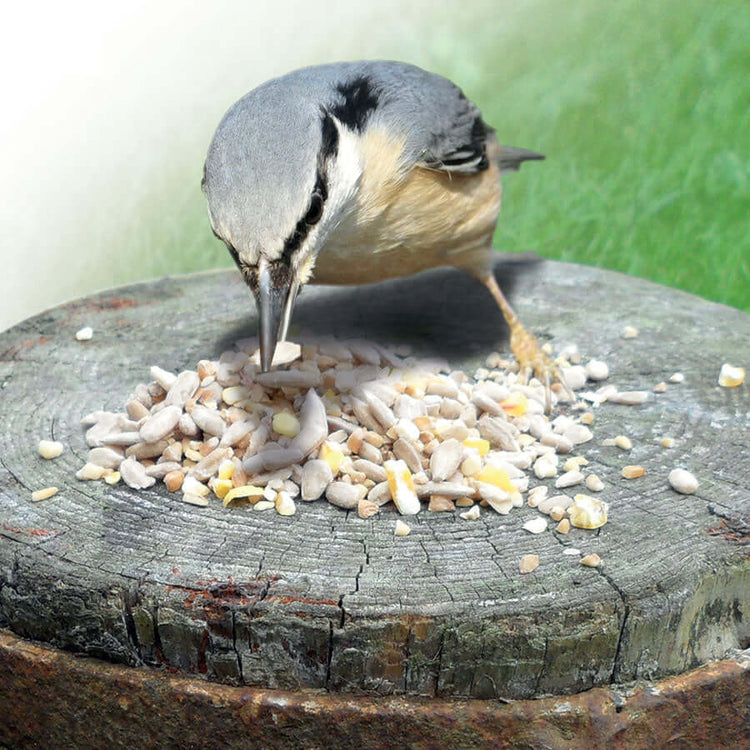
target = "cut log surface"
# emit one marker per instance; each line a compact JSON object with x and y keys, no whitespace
{"x":324,"y":599}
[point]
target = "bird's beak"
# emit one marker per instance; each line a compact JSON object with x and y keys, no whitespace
{"x":274,"y":297}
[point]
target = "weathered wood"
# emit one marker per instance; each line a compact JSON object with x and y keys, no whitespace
{"x":325,"y":599}
{"x":117,"y":707}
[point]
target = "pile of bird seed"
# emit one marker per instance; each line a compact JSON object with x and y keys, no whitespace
{"x":358,"y":425}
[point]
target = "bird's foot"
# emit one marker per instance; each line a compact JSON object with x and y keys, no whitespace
{"x":533,"y":360}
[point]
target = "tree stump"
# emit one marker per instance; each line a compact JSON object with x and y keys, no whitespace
{"x":327,"y":600}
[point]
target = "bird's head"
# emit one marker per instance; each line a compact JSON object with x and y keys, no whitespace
{"x":279,"y":175}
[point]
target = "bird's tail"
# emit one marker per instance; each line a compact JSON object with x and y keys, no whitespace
{"x":510,"y":158}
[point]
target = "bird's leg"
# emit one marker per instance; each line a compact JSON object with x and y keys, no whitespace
{"x":526,"y":348}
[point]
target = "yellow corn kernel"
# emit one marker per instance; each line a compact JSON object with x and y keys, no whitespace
{"x":226,"y":469}
{"x":498,"y":477}
{"x":332,"y":455}
{"x":516,"y":405}
{"x":285,"y":423}
{"x":112,"y":478}
{"x":247,"y":491}
{"x":731,"y":377}
{"x":478,"y":444}
{"x":402,"y":487}
{"x":221,"y":487}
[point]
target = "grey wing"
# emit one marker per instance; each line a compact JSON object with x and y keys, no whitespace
{"x":446,"y":130}
{"x":460,"y":143}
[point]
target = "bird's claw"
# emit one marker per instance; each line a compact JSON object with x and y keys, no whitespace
{"x":532,"y":360}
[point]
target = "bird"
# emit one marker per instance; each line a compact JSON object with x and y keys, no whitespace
{"x":358,"y":172}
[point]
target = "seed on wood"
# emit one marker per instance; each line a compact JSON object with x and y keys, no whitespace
{"x":591,"y":561}
{"x":571,"y":551}
{"x":402,"y":487}
{"x":596,"y":370}
{"x":529,"y":563}
{"x":91,"y":471}
{"x":683,"y":481}
{"x":472,"y":514}
{"x":666,"y":442}
{"x":677,"y":377}
{"x":536,"y":525}
{"x":593,"y":483}
{"x":43,"y":494}
{"x":563,"y":527}
{"x":264,"y":505}
{"x":249,"y":492}
{"x":578,"y":433}
{"x":633,"y":471}
{"x":173,"y":480}
{"x":629,"y":398}
{"x":555,"y":501}
{"x":574,"y":463}
{"x":85,"y":333}
{"x":629,"y":332}
{"x":343,"y":495}
{"x":284,"y":504}
{"x":730,"y":376}
{"x":50,"y":448}
{"x":546,"y":466}
{"x":367,"y":508}
{"x":587,"y":418}
{"x":660,"y":387}
{"x":401,"y":529}
{"x":536,"y":495}
{"x":133,"y":473}
{"x":440,"y":504}
{"x":199,"y":500}
{"x":569,"y":479}
{"x":588,"y":512}
{"x":624,"y":442}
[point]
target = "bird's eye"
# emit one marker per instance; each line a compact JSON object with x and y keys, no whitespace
{"x":315,"y":211}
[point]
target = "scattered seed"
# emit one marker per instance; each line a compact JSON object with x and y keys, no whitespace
{"x":591,"y":561}
{"x":401,"y":529}
{"x":660,"y":387}
{"x":50,"y":448}
{"x":629,"y":398}
{"x":588,"y":512}
{"x":677,"y":377}
{"x":563,"y":527}
{"x":264,"y":505}
{"x":529,"y":563}
{"x":730,"y":376}
{"x":624,"y":442}
{"x":587,"y":418}
{"x":633,"y":471}
{"x":666,"y":442}
{"x":571,"y":551}
{"x":593,"y":483}
{"x":629,"y":332}
{"x":470,"y":515}
{"x":683,"y":481}
{"x":536,"y":525}
{"x":44,"y":494}
{"x":440,"y":504}
{"x":569,"y":479}
{"x":284,"y":504}
{"x":85,"y":334}
{"x":597,"y":370}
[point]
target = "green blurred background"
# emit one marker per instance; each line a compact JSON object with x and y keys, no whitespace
{"x":641,"y":108}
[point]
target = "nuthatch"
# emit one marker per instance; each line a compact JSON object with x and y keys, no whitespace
{"x":352,"y":173}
